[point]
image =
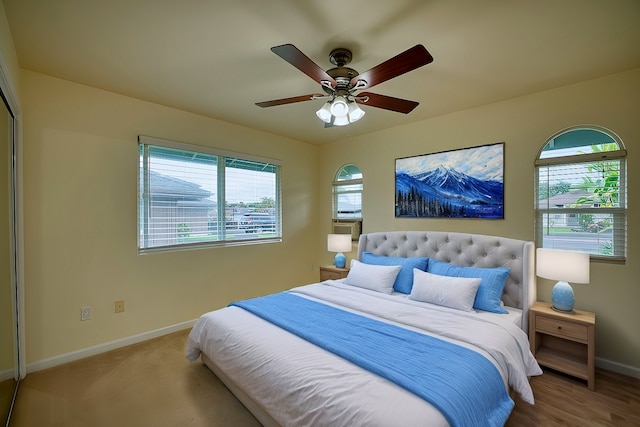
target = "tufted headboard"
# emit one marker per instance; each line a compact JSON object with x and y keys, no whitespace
{"x":469,"y":250}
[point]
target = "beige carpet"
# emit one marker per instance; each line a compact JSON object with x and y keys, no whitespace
{"x":147,"y":384}
{"x":152,"y":384}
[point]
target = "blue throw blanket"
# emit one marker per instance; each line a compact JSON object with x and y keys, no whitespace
{"x":465,"y":386}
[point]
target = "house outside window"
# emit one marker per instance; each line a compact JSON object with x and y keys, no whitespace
{"x":581,"y":193}
{"x":192,"y":196}
{"x":347,"y":194}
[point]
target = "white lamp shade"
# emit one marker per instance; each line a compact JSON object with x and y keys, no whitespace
{"x":340,"y":121}
{"x":339,"y":107}
{"x":324,"y":113}
{"x":339,"y":242}
{"x":355,"y":112}
{"x":562,"y":265}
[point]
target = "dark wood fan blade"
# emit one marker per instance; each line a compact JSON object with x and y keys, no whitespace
{"x":408,"y":60}
{"x":292,"y":100}
{"x":295,"y":57}
{"x":387,"y":102}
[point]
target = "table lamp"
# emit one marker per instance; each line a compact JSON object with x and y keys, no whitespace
{"x":339,"y":243}
{"x":564,"y":266}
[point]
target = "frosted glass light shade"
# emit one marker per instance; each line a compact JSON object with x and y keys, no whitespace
{"x":339,"y":107}
{"x":340,"y":121}
{"x":324,"y":113}
{"x":355,"y":112}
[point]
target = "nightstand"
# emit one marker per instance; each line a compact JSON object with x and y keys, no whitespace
{"x":331,"y":272}
{"x":564,"y":342}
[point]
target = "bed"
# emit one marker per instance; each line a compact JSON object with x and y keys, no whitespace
{"x":429,"y":328}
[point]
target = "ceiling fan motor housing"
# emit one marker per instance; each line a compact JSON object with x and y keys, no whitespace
{"x":340,"y":56}
{"x":341,"y":74}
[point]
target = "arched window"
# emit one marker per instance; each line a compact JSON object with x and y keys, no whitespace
{"x":347,"y":194}
{"x":581,"y":193}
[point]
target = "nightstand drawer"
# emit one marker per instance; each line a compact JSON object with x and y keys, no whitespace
{"x":561,"y":328}
{"x":332,"y":275}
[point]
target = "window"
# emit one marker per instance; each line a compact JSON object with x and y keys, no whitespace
{"x":192,"y":196}
{"x":581,"y":194}
{"x":347,"y":193}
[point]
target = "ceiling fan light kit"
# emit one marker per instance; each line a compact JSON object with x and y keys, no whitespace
{"x":341,"y":83}
{"x":340,"y":111}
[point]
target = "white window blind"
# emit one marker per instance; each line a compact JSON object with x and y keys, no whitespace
{"x":193,"y":196}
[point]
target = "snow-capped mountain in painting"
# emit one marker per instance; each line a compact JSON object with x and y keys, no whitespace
{"x":445,"y":192}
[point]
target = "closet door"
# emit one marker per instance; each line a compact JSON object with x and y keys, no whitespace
{"x":9,"y":371}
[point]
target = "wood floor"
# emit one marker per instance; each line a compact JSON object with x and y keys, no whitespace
{"x":152,"y":384}
{"x":564,"y":401}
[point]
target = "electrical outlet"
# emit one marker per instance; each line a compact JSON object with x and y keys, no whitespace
{"x":119,"y":306}
{"x":85,"y":313}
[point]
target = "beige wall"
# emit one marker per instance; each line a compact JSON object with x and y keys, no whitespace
{"x":8,"y":51}
{"x":80,"y":213}
{"x":524,"y":124}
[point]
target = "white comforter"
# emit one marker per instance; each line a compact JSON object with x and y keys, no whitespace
{"x":300,"y":384}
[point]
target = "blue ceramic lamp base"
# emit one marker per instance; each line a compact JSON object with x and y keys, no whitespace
{"x":340,"y":260}
{"x":562,"y":298}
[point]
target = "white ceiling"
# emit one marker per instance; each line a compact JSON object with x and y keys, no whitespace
{"x":212,"y":57}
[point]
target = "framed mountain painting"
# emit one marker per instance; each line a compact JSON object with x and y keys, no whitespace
{"x":463,"y":183}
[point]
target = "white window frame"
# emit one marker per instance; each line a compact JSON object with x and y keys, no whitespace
{"x":341,"y":186}
{"x":222,"y":236}
{"x":546,"y":214}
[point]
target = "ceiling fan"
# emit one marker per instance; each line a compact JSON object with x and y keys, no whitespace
{"x":342,"y":85}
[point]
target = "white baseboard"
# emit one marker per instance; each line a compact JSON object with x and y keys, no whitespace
{"x":627,"y":370}
{"x":112,"y":345}
{"x":101,"y":348}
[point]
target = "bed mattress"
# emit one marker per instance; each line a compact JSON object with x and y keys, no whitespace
{"x":298,"y":383}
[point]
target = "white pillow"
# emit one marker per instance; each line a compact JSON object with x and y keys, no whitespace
{"x":453,"y":292}
{"x":374,"y":277}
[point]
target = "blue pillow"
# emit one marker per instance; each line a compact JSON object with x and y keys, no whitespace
{"x":404,"y":280}
{"x":491,"y":287}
